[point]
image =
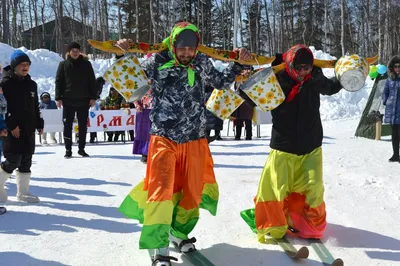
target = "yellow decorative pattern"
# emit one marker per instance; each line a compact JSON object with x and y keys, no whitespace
{"x":266,"y":93}
{"x":223,"y":103}
{"x":127,"y":77}
{"x":355,"y":67}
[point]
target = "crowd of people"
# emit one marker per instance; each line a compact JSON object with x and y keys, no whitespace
{"x":173,"y":130}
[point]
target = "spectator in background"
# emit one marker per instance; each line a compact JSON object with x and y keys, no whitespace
{"x":99,"y":87}
{"x":3,"y":127}
{"x":76,"y":92}
{"x":114,"y":100}
{"x":391,"y":99}
{"x":142,"y":126}
{"x":23,"y":118}
{"x":47,"y":103}
{"x":212,"y":121}
{"x":244,"y":114}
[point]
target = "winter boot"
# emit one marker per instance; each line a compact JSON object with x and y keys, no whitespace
{"x":3,"y":177}
{"x":53,"y":138}
{"x":68,"y":154}
{"x":83,"y":153}
{"x":144,"y":159}
{"x":44,"y":137}
{"x":162,"y":258}
{"x":394,"y":158}
{"x":23,"y":188}
{"x":186,"y":245}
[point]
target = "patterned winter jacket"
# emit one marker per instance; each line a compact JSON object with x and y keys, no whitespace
{"x":178,"y":109}
{"x":391,"y":94}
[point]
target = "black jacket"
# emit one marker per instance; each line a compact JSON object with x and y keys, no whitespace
{"x":22,"y":111}
{"x":75,"y":81}
{"x":297,"y":126}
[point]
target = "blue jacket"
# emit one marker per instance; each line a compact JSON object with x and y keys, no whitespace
{"x":391,"y":94}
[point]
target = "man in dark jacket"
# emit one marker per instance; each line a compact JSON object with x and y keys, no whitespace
{"x":23,"y":118}
{"x":76,"y":92}
{"x":291,"y":189}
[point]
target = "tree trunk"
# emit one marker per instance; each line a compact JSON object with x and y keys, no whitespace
{"x":342,"y":27}
{"x":276,"y":49}
{"x":137,"y":20}
{"x":6,"y":24}
{"x":326,"y":25}
{"x":119,"y":20}
{"x":94,"y":24}
{"x":105,"y":28}
{"x":269,"y":34}
{"x":60,"y":38}
{"x":379,"y":32}
{"x":153,"y":21}
{"x":14,"y":11}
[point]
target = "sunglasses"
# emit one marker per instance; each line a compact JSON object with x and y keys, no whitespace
{"x":396,"y":66}
{"x":306,"y":68}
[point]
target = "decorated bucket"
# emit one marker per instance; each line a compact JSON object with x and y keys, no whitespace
{"x":128,"y":78}
{"x":223,"y":103}
{"x":351,"y":71}
{"x":264,"y":89}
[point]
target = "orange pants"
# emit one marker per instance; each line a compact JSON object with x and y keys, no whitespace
{"x":179,"y":179}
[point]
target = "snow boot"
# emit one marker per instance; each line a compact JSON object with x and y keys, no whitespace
{"x":3,"y":177}
{"x":83,"y":153}
{"x":394,"y":158}
{"x":186,"y":245}
{"x":162,"y":258}
{"x":23,"y":194}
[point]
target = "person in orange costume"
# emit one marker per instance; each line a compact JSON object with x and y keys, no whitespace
{"x":180,"y":176}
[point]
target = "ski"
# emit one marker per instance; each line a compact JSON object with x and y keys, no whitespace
{"x":195,"y":257}
{"x":291,"y":250}
{"x":3,"y":210}
{"x":324,"y":254}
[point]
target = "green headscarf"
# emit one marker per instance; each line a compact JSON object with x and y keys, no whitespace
{"x":170,"y":42}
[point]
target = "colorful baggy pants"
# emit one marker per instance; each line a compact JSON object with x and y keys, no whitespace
{"x":179,"y":179}
{"x":290,"y":193}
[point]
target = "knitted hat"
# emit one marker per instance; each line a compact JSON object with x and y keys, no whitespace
{"x":73,"y":45}
{"x":186,"y":38}
{"x":45,"y":94}
{"x":18,"y":57}
{"x":303,"y":56}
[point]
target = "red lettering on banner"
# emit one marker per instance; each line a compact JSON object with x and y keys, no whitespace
{"x":100,"y":119}
{"x":88,"y":122}
{"x":131,"y":120}
{"x":116,"y":121}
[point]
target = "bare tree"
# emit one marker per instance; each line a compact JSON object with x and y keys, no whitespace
{"x":342,"y":27}
{"x":6,"y":24}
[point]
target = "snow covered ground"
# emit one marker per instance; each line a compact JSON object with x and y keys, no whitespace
{"x":77,"y":222}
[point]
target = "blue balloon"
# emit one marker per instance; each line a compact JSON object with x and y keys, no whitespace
{"x":382,"y":69}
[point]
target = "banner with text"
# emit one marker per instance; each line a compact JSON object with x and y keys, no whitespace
{"x":102,"y":120}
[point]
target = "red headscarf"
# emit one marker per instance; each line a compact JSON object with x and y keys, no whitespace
{"x":290,"y":57}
